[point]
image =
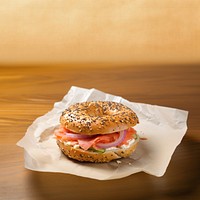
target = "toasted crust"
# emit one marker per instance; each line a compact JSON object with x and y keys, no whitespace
{"x":89,"y":156}
{"x":100,"y":117}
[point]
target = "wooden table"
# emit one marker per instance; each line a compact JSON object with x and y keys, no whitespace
{"x":29,"y":92}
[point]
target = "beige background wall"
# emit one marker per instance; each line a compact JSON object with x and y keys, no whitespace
{"x":136,"y":32}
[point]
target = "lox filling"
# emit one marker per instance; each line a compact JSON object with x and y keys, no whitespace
{"x":96,"y":142}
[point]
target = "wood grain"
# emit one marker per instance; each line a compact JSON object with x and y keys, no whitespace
{"x":28,"y":92}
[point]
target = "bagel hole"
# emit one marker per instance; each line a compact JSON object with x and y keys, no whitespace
{"x":95,"y":114}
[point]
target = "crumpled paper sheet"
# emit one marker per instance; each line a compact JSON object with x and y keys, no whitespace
{"x":163,"y":127}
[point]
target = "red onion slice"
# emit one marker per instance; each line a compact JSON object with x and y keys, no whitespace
{"x":77,"y":136}
{"x":122,"y":136}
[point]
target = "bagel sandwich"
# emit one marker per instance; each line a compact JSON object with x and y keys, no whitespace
{"x":97,"y":131}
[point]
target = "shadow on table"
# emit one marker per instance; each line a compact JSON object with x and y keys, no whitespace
{"x":181,"y":181}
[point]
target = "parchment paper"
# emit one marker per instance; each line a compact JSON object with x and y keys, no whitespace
{"x":163,"y":127}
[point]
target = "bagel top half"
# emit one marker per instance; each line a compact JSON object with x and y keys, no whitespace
{"x":98,"y":117}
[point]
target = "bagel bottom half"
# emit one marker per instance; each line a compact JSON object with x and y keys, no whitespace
{"x":97,"y":157}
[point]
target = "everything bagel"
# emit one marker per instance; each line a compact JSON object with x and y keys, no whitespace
{"x":97,"y":131}
{"x":101,"y":117}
